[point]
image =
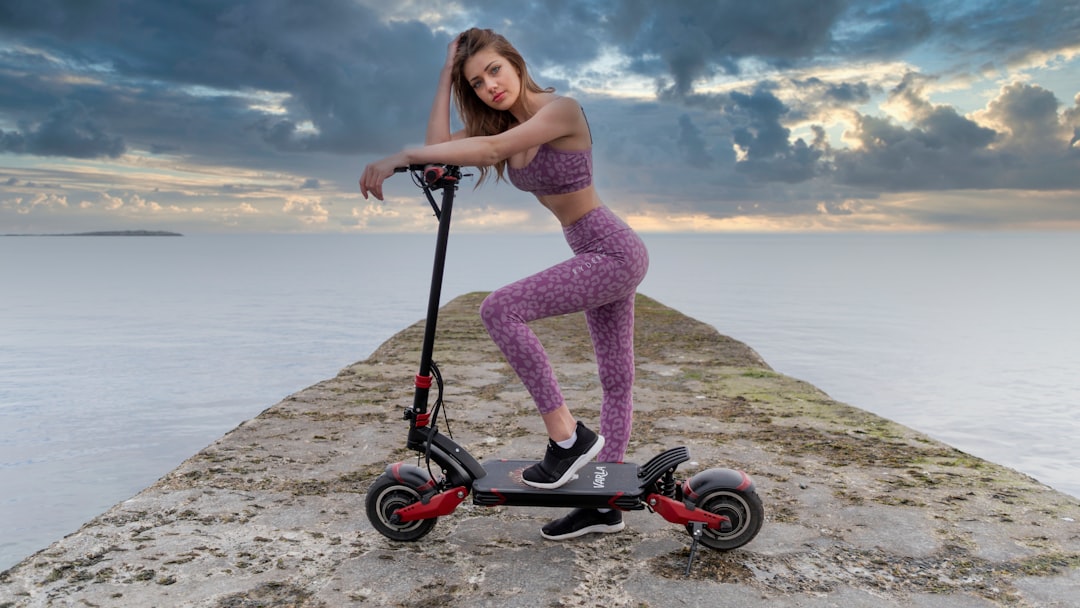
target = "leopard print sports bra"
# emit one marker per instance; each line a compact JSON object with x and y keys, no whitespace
{"x":554,"y":171}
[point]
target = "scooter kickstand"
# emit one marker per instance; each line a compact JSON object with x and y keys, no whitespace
{"x":696,"y":528}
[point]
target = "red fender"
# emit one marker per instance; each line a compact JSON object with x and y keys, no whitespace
{"x":679,"y":513}
{"x":438,"y":505}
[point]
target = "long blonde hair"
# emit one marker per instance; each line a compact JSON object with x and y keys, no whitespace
{"x":480,"y":118}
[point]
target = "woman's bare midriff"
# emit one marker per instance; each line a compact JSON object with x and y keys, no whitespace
{"x":571,"y":207}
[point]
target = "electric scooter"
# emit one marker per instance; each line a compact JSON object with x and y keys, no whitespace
{"x":720,"y":508}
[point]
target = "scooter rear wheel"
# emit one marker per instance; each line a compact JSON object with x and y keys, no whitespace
{"x":384,"y":497}
{"x":742,"y":507}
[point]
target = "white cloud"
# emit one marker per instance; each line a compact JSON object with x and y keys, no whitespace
{"x":308,"y":210}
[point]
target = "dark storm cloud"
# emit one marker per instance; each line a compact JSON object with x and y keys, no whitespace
{"x":650,"y":153}
{"x":66,"y":131}
{"x":760,"y":132}
{"x":795,"y":163}
{"x":287,"y":83}
{"x":943,"y":150}
{"x":692,"y":143}
{"x":883,"y":29}
{"x":831,"y":94}
{"x":689,"y":40}
{"x":681,"y":41}
{"x":754,"y":123}
{"x":1007,"y":30}
{"x":551,"y":32}
{"x":1017,"y":143}
{"x":1030,"y":112}
{"x":344,"y":71}
{"x":896,"y":158}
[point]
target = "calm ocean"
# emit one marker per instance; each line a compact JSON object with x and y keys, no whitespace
{"x":121,"y":357}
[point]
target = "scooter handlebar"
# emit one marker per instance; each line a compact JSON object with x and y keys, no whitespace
{"x":432,"y":172}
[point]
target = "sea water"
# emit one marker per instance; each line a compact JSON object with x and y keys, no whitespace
{"x":122,"y":356}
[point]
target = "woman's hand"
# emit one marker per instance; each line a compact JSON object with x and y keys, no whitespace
{"x":377,"y":172}
{"x":451,"y":51}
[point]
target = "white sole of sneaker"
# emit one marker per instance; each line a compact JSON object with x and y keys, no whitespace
{"x":595,"y":528}
{"x":574,"y":468}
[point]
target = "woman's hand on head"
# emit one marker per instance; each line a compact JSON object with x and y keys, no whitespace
{"x":376,"y":173}
{"x":451,"y":51}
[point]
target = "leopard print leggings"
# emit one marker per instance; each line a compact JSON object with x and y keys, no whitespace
{"x":609,"y":262}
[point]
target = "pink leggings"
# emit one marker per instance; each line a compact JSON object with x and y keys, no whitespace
{"x":608,"y":264}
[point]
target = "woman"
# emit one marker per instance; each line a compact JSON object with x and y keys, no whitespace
{"x":542,"y":143}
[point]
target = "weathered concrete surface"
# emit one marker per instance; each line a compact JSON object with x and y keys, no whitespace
{"x":860,"y":511}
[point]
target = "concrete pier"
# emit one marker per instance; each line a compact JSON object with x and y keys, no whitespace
{"x":860,"y":511}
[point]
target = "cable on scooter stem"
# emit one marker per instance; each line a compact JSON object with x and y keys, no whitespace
{"x":434,"y":424}
{"x":426,"y":176}
{"x":439,"y":401}
{"x":430,"y":177}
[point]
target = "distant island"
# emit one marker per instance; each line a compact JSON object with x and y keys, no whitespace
{"x":110,"y":233}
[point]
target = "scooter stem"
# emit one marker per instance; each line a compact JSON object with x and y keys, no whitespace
{"x":423,"y":384}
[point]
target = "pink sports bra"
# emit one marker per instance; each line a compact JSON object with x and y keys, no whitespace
{"x":554,"y":171}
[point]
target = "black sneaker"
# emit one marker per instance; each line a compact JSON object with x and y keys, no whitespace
{"x":559,"y":464}
{"x":583,"y":521}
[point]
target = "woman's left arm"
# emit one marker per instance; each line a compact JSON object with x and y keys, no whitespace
{"x":471,"y":151}
{"x":556,"y":120}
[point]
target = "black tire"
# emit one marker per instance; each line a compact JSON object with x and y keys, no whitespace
{"x":384,"y":497}
{"x":743,"y":508}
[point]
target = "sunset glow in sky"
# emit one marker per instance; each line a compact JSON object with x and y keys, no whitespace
{"x":259,"y":115}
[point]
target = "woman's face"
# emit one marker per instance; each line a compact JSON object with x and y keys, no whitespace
{"x":493,"y":78}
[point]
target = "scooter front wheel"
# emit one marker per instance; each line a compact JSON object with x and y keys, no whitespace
{"x":742,"y":507}
{"x":387,"y":495}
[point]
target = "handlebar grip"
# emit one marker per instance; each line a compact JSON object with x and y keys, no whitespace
{"x":433,"y":173}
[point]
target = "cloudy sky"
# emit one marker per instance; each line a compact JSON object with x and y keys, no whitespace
{"x":208,"y":116}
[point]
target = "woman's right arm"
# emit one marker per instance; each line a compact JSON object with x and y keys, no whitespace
{"x":438,"y":127}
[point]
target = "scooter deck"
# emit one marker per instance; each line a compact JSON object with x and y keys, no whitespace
{"x":597,"y":484}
